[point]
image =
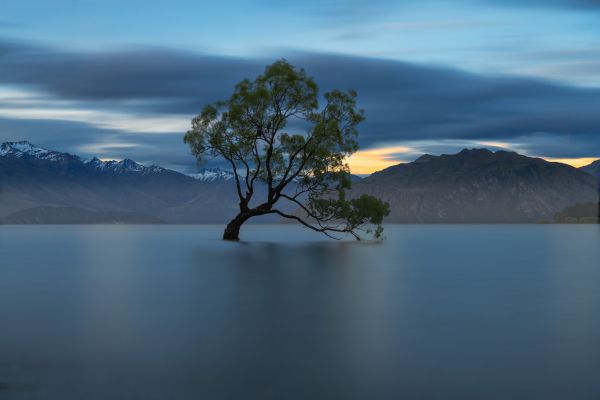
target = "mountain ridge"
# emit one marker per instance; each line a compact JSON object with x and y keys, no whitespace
{"x":474,"y":185}
{"x":26,"y":150}
{"x":592,"y":169}
{"x":478,"y":185}
{"x":31,"y":176}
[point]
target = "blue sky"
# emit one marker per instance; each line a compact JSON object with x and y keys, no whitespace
{"x":122,"y":79}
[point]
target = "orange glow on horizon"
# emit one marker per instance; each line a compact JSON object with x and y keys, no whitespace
{"x":365,"y":162}
{"x":574,"y":162}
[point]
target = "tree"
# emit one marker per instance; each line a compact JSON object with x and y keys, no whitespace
{"x":252,"y":132}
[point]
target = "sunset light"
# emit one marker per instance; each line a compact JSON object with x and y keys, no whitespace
{"x":365,"y":162}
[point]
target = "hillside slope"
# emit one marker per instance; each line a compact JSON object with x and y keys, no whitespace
{"x":479,"y":186}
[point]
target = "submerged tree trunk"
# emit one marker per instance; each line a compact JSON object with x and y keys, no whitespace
{"x":232,"y":231}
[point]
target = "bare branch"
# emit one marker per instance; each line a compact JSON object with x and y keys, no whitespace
{"x":326,"y":230}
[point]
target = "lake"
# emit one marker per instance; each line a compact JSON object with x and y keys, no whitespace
{"x":172,"y":312}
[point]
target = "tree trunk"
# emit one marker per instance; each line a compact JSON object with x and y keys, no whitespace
{"x":232,"y":231}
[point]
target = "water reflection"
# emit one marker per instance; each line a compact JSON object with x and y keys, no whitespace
{"x":465,"y":312}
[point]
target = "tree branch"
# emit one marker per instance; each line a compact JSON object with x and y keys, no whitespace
{"x":324,"y":230}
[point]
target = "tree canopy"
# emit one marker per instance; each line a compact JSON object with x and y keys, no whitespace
{"x":278,"y":138}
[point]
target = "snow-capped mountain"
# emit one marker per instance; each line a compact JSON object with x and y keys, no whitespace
{"x":27,"y":151}
{"x":32,"y":177}
{"x":212,"y":175}
{"x":471,"y":186}
{"x":123,"y":166}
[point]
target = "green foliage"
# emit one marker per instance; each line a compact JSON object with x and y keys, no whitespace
{"x":305,"y":165}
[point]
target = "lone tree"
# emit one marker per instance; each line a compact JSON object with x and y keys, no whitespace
{"x":252,"y":132}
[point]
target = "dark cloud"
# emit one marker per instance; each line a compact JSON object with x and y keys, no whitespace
{"x":140,"y":73}
{"x":167,"y":150}
{"x":404,"y":102}
{"x":410,"y":102}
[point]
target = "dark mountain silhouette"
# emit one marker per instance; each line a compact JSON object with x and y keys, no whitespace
{"x":479,"y":186}
{"x":592,"y":169}
{"x":585,"y":213}
{"x":33,"y":177}
{"x":43,"y":186}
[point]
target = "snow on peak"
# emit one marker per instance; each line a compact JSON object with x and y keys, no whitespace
{"x":123,"y":166}
{"x":26,"y":150}
{"x":129,"y":165}
{"x":20,"y":149}
{"x":94,"y":162}
{"x":212,"y":174}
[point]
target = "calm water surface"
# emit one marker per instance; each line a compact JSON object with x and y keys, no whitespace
{"x":172,"y":312}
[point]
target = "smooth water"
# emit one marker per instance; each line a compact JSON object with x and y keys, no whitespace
{"x":172,"y":312}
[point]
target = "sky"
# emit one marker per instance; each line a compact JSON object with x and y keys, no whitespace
{"x":122,"y":79}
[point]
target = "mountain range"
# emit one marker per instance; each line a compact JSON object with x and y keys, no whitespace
{"x":43,"y":186}
{"x":32,"y":177}
{"x":479,"y":185}
{"x":593,"y":168}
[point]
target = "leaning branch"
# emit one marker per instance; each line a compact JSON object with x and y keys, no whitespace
{"x":324,"y":230}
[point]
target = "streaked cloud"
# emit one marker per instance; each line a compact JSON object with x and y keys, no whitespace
{"x":500,"y":145}
{"x":82,"y":100}
{"x":103,"y":119}
{"x":365,"y":162}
